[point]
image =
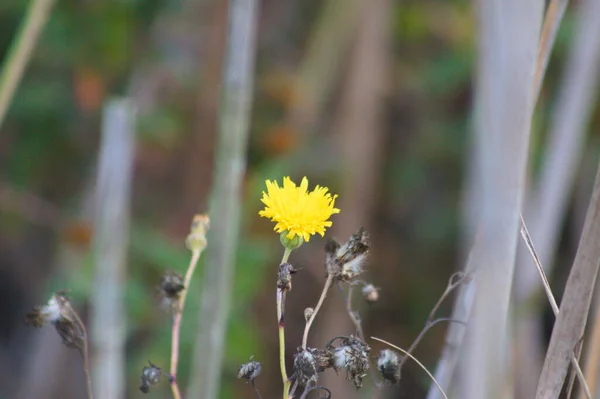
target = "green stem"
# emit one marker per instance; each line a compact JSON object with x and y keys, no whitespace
{"x":281,"y":328}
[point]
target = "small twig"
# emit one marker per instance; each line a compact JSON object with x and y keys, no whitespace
{"x":256,"y":390}
{"x":312,"y":318}
{"x":86,"y":351}
{"x":177,"y":323}
{"x":294,"y":387}
{"x":572,"y":373}
{"x":554,"y":14}
{"x":453,"y":282}
{"x":416,"y":361}
{"x":424,"y":331}
{"x":552,"y":300}
{"x":196,"y":241}
{"x":20,"y":51}
{"x":358,"y":325}
{"x":309,"y":390}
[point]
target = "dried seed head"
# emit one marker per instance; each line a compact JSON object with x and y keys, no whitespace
{"x":388,"y":365}
{"x":370,"y":293}
{"x":196,"y":240}
{"x":59,"y":313}
{"x":169,"y":290}
{"x":250,"y":370}
{"x":323,"y":359}
{"x":308,"y":312}
{"x":150,"y":376}
{"x":346,"y":262}
{"x":352,"y":356}
{"x":305,"y":366}
{"x":284,"y":276}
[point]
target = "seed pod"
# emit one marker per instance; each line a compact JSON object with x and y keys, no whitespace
{"x":250,"y":370}
{"x":305,"y":367}
{"x":370,"y":293}
{"x":388,"y":365}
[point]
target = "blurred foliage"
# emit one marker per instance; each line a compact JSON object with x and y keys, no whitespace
{"x":91,"y":49}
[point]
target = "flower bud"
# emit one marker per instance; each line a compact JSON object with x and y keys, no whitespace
{"x":290,"y":243}
{"x":196,"y":240}
{"x":370,"y":293}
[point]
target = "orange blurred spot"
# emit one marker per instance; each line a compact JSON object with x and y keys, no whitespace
{"x":280,"y":139}
{"x":78,"y":233}
{"x":89,"y":89}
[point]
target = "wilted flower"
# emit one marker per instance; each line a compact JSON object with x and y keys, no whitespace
{"x":150,"y":376}
{"x":297,"y":211}
{"x":388,"y":365}
{"x":305,"y":366}
{"x":284,"y":276}
{"x":352,"y":356}
{"x":345,"y":262}
{"x":170,"y":288}
{"x":308,"y":312}
{"x":59,"y":313}
{"x":250,"y":370}
{"x":370,"y":293}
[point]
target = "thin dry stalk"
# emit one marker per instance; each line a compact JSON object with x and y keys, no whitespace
{"x":85,"y":352}
{"x":319,"y":304}
{"x":553,"y":304}
{"x":20,"y":51}
{"x":196,"y":242}
{"x":570,"y":322}
{"x":225,"y":202}
{"x":554,"y":15}
{"x":437,"y":385}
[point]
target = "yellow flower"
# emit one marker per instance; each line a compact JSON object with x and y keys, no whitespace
{"x":297,"y":211}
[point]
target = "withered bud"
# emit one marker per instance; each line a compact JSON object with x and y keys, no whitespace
{"x":308,"y":312}
{"x":196,"y":240}
{"x":305,"y":366}
{"x":59,"y":313}
{"x":346,"y":262}
{"x":250,"y":370}
{"x":388,"y":365}
{"x":150,"y":376}
{"x":370,"y":293}
{"x":353,"y":356}
{"x":284,"y":276}
{"x":171,"y":284}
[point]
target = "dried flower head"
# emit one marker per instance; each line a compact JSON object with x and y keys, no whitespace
{"x":305,"y":366}
{"x":388,"y":365}
{"x":250,"y":370}
{"x":170,"y":288}
{"x":370,"y":293}
{"x":284,"y":276}
{"x":345,"y":262}
{"x":323,"y":358}
{"x":297,"y":211}
{"x":352,"y":356}
{"x":59,"y":313}
{"x":196,"y":239}
{"x":150,"y":376}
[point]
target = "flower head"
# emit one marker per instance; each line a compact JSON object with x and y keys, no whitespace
{"x":297,"y":211}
